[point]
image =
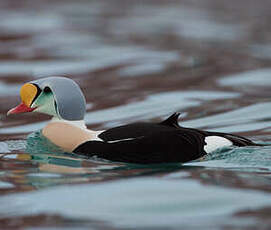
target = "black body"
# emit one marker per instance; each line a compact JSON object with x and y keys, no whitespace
{"x":149,"y":143}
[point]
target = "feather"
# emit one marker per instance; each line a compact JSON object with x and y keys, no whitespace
{"x":172,"y":121}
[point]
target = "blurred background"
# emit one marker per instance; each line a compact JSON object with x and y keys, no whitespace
{"x":140,"y":60}
{"x":122,"y":51}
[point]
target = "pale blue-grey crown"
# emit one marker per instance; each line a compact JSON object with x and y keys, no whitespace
{"x":70,"y":101}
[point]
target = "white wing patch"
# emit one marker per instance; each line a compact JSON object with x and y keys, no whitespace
{"x":97,"y":138}
{"x":215,"y":142}
{"x":127,"y":139}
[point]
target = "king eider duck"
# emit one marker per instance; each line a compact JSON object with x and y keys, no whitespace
{"x":141,"y":142}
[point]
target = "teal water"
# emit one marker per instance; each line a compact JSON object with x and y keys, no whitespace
{"x":154,"y":196}
{"x":210,"y":189}
{"x":40,"y":147}
{"x":215,"y":190}
{"x":138,"y":61}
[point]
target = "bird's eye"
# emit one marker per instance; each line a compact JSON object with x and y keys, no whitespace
{"x":47,"y":90}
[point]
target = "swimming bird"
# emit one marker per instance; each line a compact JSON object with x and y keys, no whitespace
{"x":141,"y":142}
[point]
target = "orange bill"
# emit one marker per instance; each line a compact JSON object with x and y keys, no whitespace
{"x":28,"y":93}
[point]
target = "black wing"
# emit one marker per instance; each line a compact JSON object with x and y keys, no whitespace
{"x":160,"y":147}
{"x":140,"y":129}
{"x":148,"y":143}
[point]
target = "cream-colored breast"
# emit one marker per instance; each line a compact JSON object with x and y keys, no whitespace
{"x":68,"y":136}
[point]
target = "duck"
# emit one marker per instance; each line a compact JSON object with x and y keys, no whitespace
{"x":139,"y":143}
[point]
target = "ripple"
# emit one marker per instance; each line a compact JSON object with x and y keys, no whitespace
{"x":184,"y":21}
{"x":4,"y":147}
{"x":28,"y":22}
{"x":252,"y":159}
{"x":91,"y":59}
{"x":9,"y":89}
{"x":141,"y":202}
{"x":142,"y":69}
{"x":260,"y":77}
{"x":5,"y":185}
{"x":153,"y":106}
{"x":244,"y":118}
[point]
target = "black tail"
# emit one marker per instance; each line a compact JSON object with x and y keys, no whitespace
{"x":236,"y":139}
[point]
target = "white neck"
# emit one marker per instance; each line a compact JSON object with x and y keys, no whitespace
{"x":80,"y":123}
{"x":69,"y":134}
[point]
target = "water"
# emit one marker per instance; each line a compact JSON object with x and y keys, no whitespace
{"x":138,"y":61}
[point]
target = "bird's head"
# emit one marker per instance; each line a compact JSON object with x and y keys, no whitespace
{"x":59,"y":97}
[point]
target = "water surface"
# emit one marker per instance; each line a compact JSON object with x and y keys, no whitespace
{"x":138,"y":61}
